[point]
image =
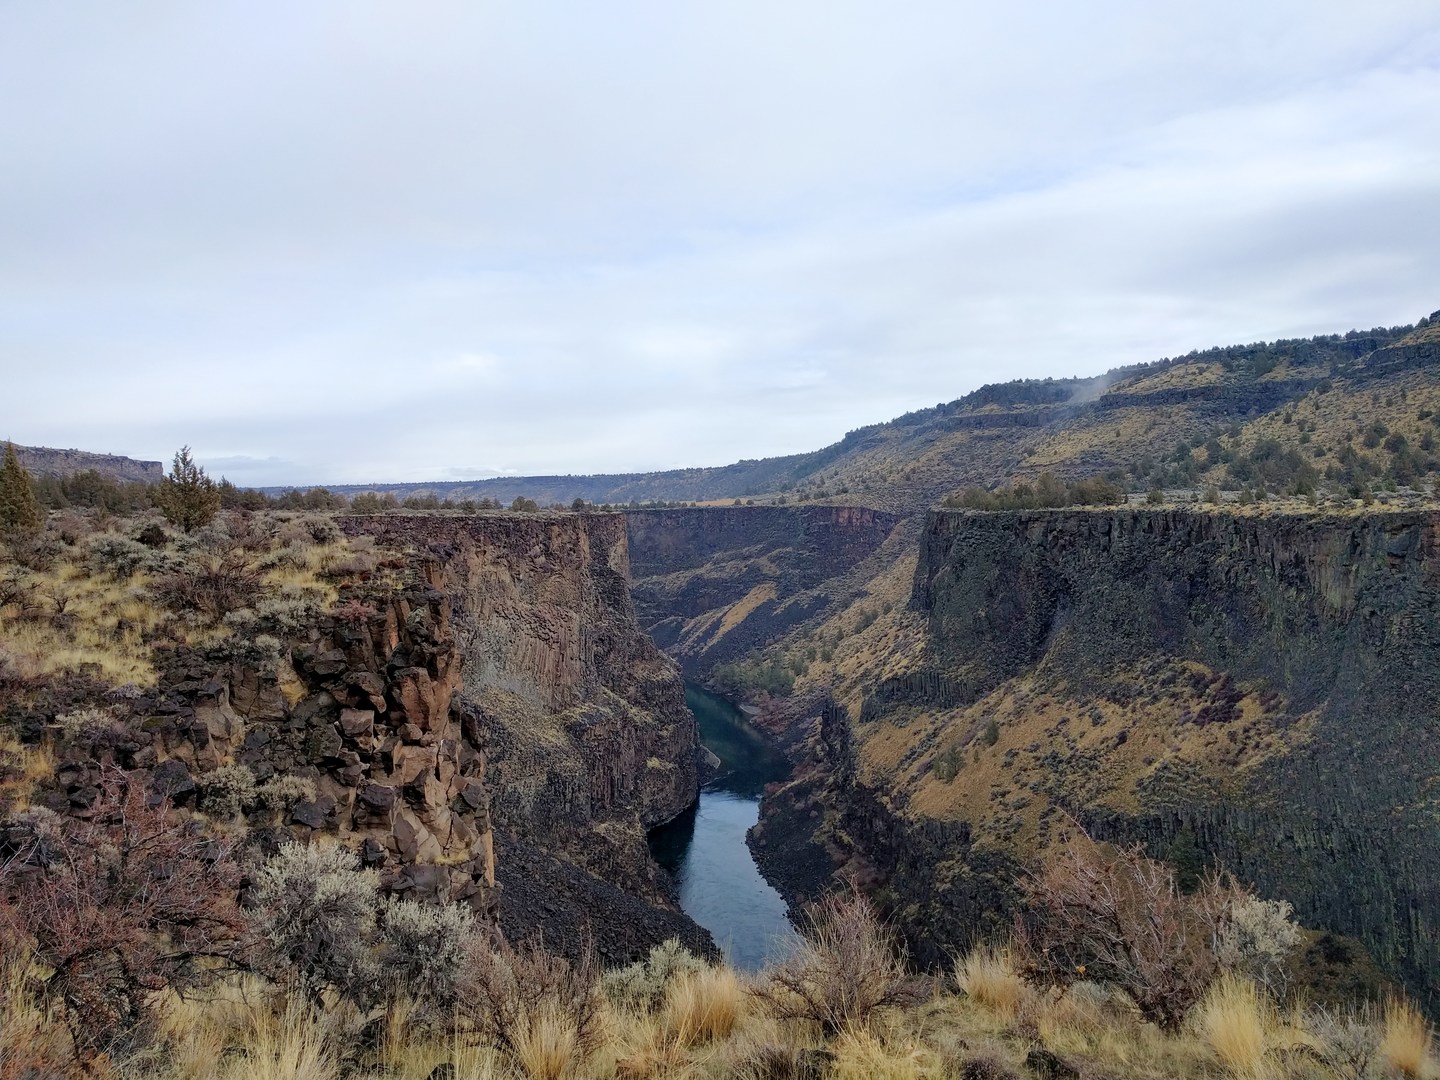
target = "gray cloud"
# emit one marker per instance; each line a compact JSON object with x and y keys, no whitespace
{"x":352,"y":242}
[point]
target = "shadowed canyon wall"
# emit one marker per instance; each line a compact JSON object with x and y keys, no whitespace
{"x":583,"y":720}
{"x":711,"y":584}
{"x":1267,"y":684}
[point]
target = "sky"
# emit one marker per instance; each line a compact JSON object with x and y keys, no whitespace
{"x":357,"y":242}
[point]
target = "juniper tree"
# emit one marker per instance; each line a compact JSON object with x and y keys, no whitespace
{"x":18,"y":508}
{"x":187,"y":497}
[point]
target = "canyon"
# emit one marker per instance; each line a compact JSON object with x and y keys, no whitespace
{"x":1258,"y":689}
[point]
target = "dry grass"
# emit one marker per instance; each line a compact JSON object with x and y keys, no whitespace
{"x":987,"y":977}
{"x":1406,"y":1043}
{"x":548,"y":1048}
{"x":862,"y":1054}
{"x":238,"y":1032}
{"x":32,"y":1035}
{"x":703,"y":1006}
{"x":295,"y":1044}
{"x":76,"y":617}
{"x":22,"y":769}
{"x":1237,"y":1022}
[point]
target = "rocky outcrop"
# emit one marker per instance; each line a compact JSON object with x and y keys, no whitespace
{"x":583,"y":720}
{"x":43,"y":461}
{"x":360,"y":724}
{"x":712,"y":584}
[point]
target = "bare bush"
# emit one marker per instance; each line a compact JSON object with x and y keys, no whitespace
{"x":131,"y":901}
{"x":314,"y":920}
{"x":847,"y":968}
{"x":210,"y":584}
{"x":520,"y":1000}
{"x":1118,"y":917}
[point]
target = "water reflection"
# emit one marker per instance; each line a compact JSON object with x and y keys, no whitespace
{"x":719,"y":883}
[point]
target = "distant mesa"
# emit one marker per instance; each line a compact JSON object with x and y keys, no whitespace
{"x":44,"y":461}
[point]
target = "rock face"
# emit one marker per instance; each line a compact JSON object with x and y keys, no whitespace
{"x":1265,"y":684}
{"x":362,"y":730}
{"x":583,"y":720}
{"x":43,"y":461}
{"x":711,"y":584}
{"x":484,"y":722}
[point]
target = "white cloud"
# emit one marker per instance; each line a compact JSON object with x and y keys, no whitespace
{"x":351,"y":243}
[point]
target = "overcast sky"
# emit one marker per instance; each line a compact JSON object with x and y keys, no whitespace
{"x":350,"y":242}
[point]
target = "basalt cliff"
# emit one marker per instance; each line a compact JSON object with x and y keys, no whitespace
{"x":1250,"y":691}
{"x":713,"y":584}
{"x":478,"y":714}
{"x":582,"y":719}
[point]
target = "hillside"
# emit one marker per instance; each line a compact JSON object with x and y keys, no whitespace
{"x":1130,"y":422}
{"x":1255,"y":688}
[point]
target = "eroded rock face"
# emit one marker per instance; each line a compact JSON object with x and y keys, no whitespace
{"x":714,"y":583}
{"x":1283,"y":673}
{"x":583,"y":719}
{"x":498,"y":731}
{"x":365,"y":723}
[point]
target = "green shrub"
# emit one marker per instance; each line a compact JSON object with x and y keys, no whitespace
{"x":642,"y":985}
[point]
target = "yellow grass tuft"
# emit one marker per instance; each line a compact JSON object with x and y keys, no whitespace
{"x":33,"y":1040}
{"x":295,"y":1044}
{"x":704,"y":1006}
{"x":860,"y":1054}
{"x":1237,"y":1022}
{"x":1406,"y":1043}
{"x":988,"y":978}
{"x":548,"y":1048}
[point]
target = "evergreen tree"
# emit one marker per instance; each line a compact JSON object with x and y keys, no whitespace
{"x":18,"y":508}
{"x":187,"y":497}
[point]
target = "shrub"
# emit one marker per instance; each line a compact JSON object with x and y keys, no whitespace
{"x":122,"y":557}
{"x":118,"y":906}
{"x":213,"y":585}
{"x":85,"y":725}
{"x":1349,"y":1042}
{"x":284,"y":614}
{"x":314,"y":918}
{"x":846,"y":969}
{"x":283,"y":792}
{"x":643,"y":985}
{"x":424,"y":952}
{"x":1257,"y":939}
{"x":539,"y":1010}
{"x":1119,"y":917}
{"x":227,"y":791}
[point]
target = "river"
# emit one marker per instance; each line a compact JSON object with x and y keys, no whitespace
{"x":719,"y":884}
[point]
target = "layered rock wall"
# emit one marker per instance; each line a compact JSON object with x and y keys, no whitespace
{"x":713,"y":583}
{"x":1337,"y":618}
